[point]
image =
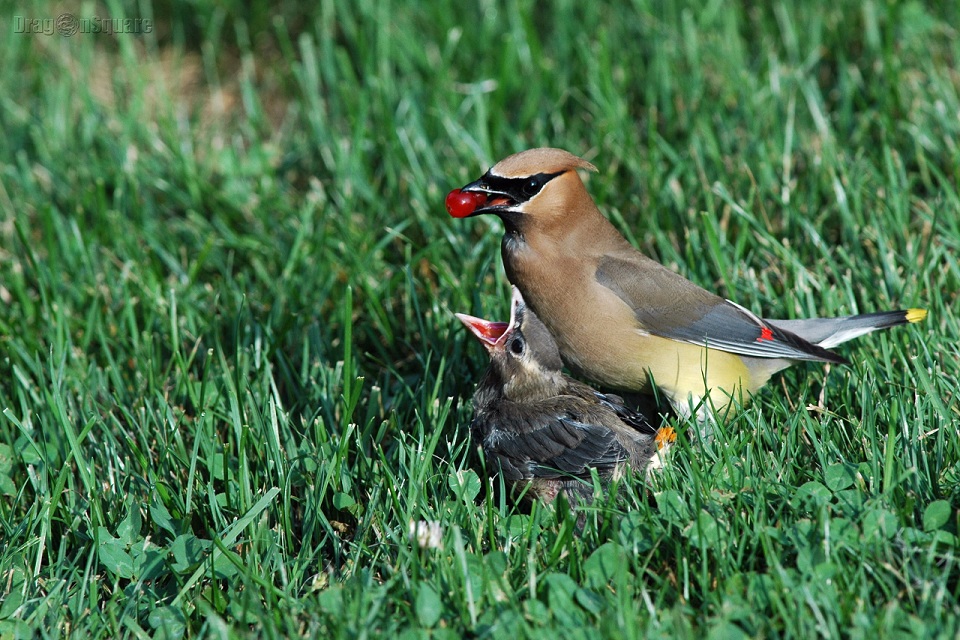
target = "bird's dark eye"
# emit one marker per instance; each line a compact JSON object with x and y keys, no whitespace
{"x":517,"y":346}
{"x":531,"y":187}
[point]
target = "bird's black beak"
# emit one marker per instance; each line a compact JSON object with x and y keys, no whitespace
{"x":496,"y":198}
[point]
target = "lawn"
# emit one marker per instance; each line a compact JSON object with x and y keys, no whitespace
{"x":234,"y":395}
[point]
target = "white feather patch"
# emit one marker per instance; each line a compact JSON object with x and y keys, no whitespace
{"x":844,"y":336}
{"x":749,"y":313}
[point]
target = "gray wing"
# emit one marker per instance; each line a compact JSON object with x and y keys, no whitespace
{"x":628,"y":416}
{"x":550,"y":440}
{"x":668,"y":305}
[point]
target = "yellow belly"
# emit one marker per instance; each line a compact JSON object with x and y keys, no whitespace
{"x":682,"y":371}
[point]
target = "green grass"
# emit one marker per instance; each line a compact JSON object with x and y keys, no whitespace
{"x":231,"y":379}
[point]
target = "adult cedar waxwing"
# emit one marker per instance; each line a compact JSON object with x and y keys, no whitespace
{"x":622,"y":319}
{"x":543,"y":430}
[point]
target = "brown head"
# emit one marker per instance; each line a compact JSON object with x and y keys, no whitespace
{"x":538,"y":187}
{"x":524,"y":358}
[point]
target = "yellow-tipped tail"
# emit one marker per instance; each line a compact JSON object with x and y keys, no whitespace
{"x":916,"y":315}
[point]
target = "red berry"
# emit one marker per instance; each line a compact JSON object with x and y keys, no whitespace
{"x":460,"y":204}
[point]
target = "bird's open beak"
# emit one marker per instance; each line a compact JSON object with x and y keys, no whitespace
{"x":490,"y":334}
{"x":488,"y":199}
{"x":494,"y":198}
{"x":493,"y":335}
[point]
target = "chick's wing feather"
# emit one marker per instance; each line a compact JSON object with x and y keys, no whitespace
{"x":562,"y":436}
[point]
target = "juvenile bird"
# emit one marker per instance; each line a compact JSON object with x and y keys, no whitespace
{"x":623,"y":320}
{"x":541,"y":429}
